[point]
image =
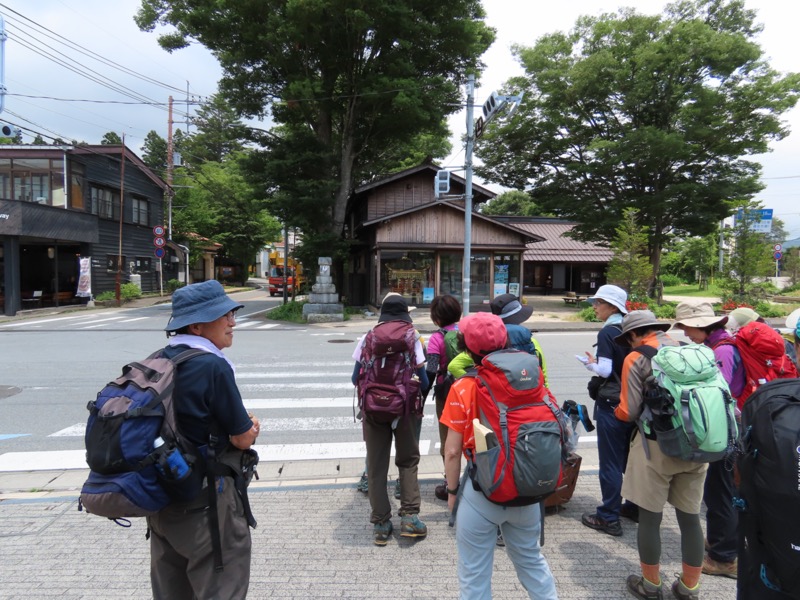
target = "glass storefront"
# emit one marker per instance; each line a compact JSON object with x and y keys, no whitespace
{"x":410,"y":274}
{"x":506,"y":275}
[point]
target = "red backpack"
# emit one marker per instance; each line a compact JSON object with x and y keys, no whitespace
{"x":387,"y":384}
{"x":763,"y":357}
{"x":525,"y":448}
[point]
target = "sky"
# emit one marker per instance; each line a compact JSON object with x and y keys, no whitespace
{"x":100,"y":38}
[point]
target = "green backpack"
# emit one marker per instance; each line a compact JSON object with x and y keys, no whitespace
{"x":688,"y":406}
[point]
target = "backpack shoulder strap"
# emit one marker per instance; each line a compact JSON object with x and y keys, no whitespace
{"x":646,"y":350}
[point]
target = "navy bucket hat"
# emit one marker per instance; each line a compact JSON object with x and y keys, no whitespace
{"x":199,"y":303}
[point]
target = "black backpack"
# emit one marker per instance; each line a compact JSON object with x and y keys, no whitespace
{"x":769,"y":493}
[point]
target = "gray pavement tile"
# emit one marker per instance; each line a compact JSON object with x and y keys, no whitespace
{"x":315,"y":541}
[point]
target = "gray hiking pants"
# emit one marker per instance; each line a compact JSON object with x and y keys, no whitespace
{"x":181,"y":556}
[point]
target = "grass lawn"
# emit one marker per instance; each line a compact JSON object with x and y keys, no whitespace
{"x":712,"y":291}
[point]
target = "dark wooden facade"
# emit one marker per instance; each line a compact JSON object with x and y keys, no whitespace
{"x":42,"y":234}
{"x":406,"y":241}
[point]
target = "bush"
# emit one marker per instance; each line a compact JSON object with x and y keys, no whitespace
{"x":174,"y":284}
{"x":129,"y":291}
{"x":664,"y":311}
{"x":587,"y":314}
{"x":106,"y":296}
{"x":769,"y":311}
{"x":791,"y":290}
{"x":291,"y":311}
{"x":669,"y":280}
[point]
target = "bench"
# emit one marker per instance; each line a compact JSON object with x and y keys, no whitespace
{"x":574,"y":299}
{"x":35,"y":301}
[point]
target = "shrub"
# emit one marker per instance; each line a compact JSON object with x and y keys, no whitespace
{"x":174,"y":284}
{"x":791,"y":290}
{"x":664,"y":311}
{"x":587,"y":314}
{"x":669,"y":280}
{"x":106,"y":296}
{"x":636,"y":305}
{"x":129,"y":291}
{"x":291,"y":311}
{"x":769,"y":311}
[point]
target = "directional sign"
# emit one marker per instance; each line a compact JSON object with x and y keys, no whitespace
{"x":159,"y":231}
{"x":159,"y":242}
{"x":159,"y":252}
{"x":777,"y":255}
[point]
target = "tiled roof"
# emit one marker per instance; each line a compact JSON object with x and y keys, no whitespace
{"x":556,"y":247}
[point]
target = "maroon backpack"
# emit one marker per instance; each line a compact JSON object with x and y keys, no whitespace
{"x":387,"y":384}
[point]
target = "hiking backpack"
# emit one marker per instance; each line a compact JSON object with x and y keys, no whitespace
{"x":688,"y":406}
{"x":442,"y":379}
{"x":519,"y":338}
{"x":769,"y":492}
{"x":388,"y":386}
{"x":764,"y":357}
{"x":523,"y":461}
{"x":130,"y":476}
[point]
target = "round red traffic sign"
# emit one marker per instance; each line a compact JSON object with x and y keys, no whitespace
{"x":777,"y":247}
{"x":159,"y":231}
{"x":159,"y":252}
{"x":159,"y":242}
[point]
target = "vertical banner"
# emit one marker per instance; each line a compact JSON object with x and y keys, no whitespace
{"x":84,"y":277}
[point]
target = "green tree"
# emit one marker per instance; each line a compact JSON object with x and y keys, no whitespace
{"x":111,"y":139}
{"x":512,"y":202}
{"x":630,"y":267}
{"x":346,"y":80}
{"x":38,"y":141}
{"x":215,"y":201}
{"x":749,"y":256}
{"x":154,"y":152}
{"x":219,"y":133}
{"x":700,"y":256}
{"x":648,"y":112}
{"x":790,"y":264}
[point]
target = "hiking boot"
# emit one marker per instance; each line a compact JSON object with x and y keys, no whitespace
{"x":411,"y":526}
{"x":397,"y":488}
{"x":681,"y":592}
{"x":629,"y":511}
{"x":641,"y":588}
{"x":363,"y":484}
{"x":381,"y":533}
{"x":440,"y":491}
{"x":610,"y":527}
{"x":716,"y":567}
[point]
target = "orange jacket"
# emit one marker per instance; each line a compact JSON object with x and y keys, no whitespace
{"x":635,"y":370}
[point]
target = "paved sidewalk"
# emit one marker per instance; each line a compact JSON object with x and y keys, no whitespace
{"x":314,"y":541}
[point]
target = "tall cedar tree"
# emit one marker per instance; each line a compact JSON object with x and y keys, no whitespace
{"x":346,"y":81}
{"x":648,"y":112}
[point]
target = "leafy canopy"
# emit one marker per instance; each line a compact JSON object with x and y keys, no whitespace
{"x":654,"y":113}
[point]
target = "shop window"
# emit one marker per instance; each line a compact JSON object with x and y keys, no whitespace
{"x":143,"y":264}
{"x":410,"y":274}
{"x":450,"y":272}
{"x":506,"y":274}
{"x":111,"y":262}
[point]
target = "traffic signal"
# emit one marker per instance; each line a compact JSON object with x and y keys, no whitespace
{"x":492,"y":105}
{"x":441,"y":184}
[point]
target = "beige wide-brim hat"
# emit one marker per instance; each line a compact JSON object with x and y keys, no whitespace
{"x":697,"y":314}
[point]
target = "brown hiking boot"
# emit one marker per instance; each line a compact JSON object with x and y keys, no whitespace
{"x":681,"y":592}
{"x":715,"y":567}
{"x":641,"y":588}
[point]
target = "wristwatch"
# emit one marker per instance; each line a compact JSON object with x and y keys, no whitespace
{"x":455,"y":491}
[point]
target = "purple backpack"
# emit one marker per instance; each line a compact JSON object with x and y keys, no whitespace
{"x":387,"y":384}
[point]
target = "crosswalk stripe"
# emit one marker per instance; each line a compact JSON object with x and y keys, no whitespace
{"x":282,"y":375}
{"x":245,"y":324}
{"x":266,"y":387}
{"x":265,"y":403}
{"x":267,"y":326}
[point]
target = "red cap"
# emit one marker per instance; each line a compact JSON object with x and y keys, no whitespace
{"x":483,"y":333}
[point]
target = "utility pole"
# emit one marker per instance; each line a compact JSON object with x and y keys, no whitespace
{"x":170,"y":152}
{"x":465,"y":270}
{"x":121,"y":213}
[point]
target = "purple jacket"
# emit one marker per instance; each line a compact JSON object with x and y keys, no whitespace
{"x":728,"y":360}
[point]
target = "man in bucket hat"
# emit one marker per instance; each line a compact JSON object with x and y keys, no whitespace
{"x":509,"y":308}
{"x":209,"y":411}
{"x":702,"y":326}
{"x":654,"y":481}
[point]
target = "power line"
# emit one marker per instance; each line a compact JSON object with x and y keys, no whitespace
{"x":148,"y":103}
{"x":89,"y":53}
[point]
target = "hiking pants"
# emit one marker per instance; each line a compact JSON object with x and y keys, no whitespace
{"x":613,"y":443}
{"x":181,"y":557}
{"x":721,"y":517}
{"x":378,"y":437}
{"x":476,"y":536}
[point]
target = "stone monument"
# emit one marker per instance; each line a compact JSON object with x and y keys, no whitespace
{"x":323,"y":302}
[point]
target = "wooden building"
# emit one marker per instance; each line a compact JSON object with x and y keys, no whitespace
{"x":404,"y":240}
{"x":62,"y":203}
